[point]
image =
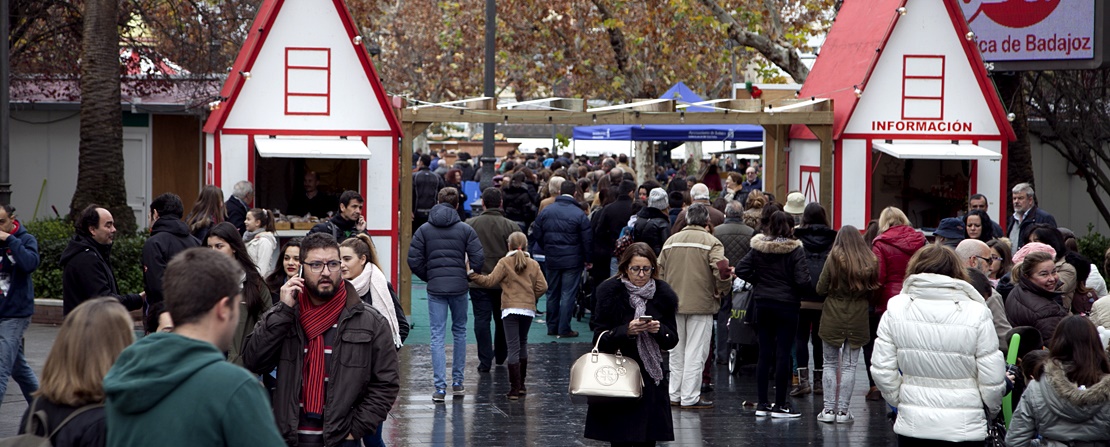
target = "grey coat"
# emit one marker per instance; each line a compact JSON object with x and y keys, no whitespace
{"x":1056,"y":409}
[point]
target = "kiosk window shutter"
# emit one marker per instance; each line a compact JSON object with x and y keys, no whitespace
{"x":307,"y":81}
{"x":922,"y":87}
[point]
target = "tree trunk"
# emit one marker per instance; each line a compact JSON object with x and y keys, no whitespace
{"x":100,"y":161}
{"x":1019,"y":162}
{"x":643,"y":161}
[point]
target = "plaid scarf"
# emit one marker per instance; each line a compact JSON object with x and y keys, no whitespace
{"x":315,"y":320}
{"x":648,"y":347}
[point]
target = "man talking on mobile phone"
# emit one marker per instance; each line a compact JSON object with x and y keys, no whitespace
{"x":337,"y":364}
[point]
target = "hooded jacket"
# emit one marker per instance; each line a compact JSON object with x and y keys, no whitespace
{"x":777,"y":270}
{"x":816,"y":240}
{"x":936,"y":359}
{"x":652,"y":227}
{"x":439,"y":249}
{"x":894,"y":248}
{"x":20,"y":257}
{"x":168,"y":237}
{"x":169,"y":390}
{"x":563,"y":234}
{"x":1027,"y":305}
{"x":1058,"y":410}
{"x":87,"y":273}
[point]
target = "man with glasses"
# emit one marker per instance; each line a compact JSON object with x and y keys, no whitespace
{"x":438,"y":255}
{"x":693,"y":262}
{"x":322,"y":337}
{"x":977,"y":257}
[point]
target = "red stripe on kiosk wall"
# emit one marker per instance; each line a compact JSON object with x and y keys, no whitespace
{"x":217,"y":154}
{"x":838,"y":173}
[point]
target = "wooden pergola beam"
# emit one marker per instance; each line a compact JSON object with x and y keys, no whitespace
{"x":442,"y":115}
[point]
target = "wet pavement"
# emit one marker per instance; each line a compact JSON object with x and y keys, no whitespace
{"x":547,"y":416}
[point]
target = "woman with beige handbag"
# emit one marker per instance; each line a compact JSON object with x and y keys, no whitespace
{"x":635,"y":314}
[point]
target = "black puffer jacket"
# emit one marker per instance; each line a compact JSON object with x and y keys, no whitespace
{"x":520,"y":203}
{"x":610,"y":221}
{"x":736,"y":237}
{"x":438,"y":251}
{"x":816,"y":241}
{"x":563,"y":233}
{"x":168,"y":237}
{"x":86,"y":273}
{"x":777,"y":270}
{"x":1028,"y":305}
{"x":425,"y":185}
{"x":653,"y":227}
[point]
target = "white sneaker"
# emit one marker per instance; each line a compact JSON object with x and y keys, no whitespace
{"x":844,"y":417}
{"x":826,"y":415}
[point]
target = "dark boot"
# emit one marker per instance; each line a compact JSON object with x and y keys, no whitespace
{"x":514,"y":381}
{"x":818,"y":384}
{"x":523,"y":375}
{"x":803,"y":387}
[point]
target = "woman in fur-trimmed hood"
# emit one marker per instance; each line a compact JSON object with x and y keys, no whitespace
{"x":1069,"y":404}
{"x":776,"y":267}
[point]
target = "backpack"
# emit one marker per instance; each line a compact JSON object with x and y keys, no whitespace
{"x":36,"y":422}
{"x":626,"y":238}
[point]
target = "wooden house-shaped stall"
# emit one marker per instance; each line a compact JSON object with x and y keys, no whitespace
{"x":303,"y":97}
{"x":918,"y":123}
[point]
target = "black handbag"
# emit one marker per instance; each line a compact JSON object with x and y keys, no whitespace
{"x":996,"y":431}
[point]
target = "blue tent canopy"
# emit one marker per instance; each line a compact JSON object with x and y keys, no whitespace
{"x":673,"y":132}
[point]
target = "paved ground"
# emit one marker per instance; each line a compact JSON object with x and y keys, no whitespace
{"x":547,"y":416}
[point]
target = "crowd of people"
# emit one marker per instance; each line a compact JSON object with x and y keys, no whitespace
{"x":297,"y":343}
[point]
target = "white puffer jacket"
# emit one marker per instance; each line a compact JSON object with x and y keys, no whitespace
{"x":939,"y":333}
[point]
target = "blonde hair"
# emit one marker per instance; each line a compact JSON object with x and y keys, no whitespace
{"x":519,"y":242}
{"x":88,"y":343}
{"x":363,"y":247}
{"x":891,"y":217}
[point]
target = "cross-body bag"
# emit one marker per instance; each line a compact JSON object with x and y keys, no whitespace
{"x":36,"y":422}
{"x":598,"y":374}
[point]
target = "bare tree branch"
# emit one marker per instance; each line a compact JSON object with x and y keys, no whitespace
{"x":780,"y":54}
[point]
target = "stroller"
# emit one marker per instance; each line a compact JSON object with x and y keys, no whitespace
{"x":742,"y":345}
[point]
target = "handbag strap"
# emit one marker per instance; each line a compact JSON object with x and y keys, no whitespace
{"x":73,"y":415}
{"x":598,"y":342}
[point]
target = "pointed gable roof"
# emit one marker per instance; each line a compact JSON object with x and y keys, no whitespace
{"x":256,"y":39}
{"x":680,"y":92}
{"x":853,"y":47}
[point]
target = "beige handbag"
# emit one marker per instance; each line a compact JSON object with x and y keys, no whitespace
{"x":598,"y":374}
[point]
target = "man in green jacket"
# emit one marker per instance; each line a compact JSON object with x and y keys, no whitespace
{"x":176,"y":389}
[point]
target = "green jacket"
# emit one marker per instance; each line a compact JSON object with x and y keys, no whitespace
{"x":844,"y":315}
{"x":168,"y":390}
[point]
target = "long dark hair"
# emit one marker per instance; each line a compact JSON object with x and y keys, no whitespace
{"x":227,"y":232}
{"x":209,"y":209}
{"x":1076,"y":346}
{"x":814,"y":214}
{"x":1051,"y":237}
{"x":987,"y":232}
{"x":277,"y":277}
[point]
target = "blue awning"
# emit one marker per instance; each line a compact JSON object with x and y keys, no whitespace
{"x":671,"y":132}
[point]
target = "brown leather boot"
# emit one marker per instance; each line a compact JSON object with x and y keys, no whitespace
{"x":514,"y":381}
{"x":523,"y":376}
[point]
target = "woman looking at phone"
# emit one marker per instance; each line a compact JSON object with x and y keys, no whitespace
{"x":622,"y":300}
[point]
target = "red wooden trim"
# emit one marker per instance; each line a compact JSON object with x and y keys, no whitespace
{"x":915,"y":136}
{"x":838,"y":175}
{"x":786,"y":181}
{"x":971,"y":50}
{"x":368,"y":67}
{"x":250,"y":158}
{"x":905,"y":59}
{"x":922,"y":97}
{"x":381,"y":233}
{"x":973,"y":186}
{"x":309,"y":132}
{"x":256,"y":37}
{"x":802,"y":170}
{"x":326,"y":68}
{"x":218,"y":156}
{"x":395,"y":173}
{"x":1004,"y":192}
{"x":867,"y":185}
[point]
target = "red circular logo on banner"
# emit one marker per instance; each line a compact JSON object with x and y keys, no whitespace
{"x":1014,"y":13}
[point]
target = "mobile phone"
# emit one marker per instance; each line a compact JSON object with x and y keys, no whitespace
{"x":646,"y":318}
{"x":300,"y":274}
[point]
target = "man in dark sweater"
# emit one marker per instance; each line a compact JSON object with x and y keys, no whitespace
{"x":86,"y":268}
{"x":493,"y":231}
{"x":168,"y":237}
{"x":347,"y":222}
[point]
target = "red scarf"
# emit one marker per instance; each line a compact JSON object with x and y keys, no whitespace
{"x":315,"y":320}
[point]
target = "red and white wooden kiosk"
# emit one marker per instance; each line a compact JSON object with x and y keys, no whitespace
{"x":917,"y":124}
{"x":303,"y":87}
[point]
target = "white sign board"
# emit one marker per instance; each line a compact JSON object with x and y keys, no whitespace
{"x":1032,"y":30}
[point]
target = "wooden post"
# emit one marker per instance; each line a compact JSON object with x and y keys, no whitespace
{"x":774,"y":166}
{"x":410,"y":131}
{"x":824,"y":134}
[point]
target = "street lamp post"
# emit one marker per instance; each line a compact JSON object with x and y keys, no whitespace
{"x":488,"y":155}
{"x":5,"y":106}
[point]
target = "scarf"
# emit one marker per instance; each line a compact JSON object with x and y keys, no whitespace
{"x":248,"y":235}
{"x":367,"y":281}
{"x":648,"y":347}
{"x":315,"y":320}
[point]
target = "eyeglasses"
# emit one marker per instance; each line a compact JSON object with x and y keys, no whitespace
{"x":996,"y":258}
{"x":641,"y":270}
{"x":987,"y":260}
{"x":317,"y":267}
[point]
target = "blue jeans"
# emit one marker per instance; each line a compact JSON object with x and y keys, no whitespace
{"x":12,"y":362}
{"x":487,"y":309}
{"x":374,"y":440}
{"x":437,"y":314}
{"x":562,"y":292}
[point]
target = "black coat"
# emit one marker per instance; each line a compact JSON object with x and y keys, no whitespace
{"x":236,"y":213}
{"x":88,"y":429}
{"x":425,"y":186}
{"x":339,"y":227}
{"x":816,"y":240}
{"x":610,"y":221}
{"x":168,"y":237}
{"x":1033,"y":217}
{"x":520,"y":204}
{"x":563,"y":233}
{"x":87,"y":273}
{"x":777,"y":271}
{"x":649,"y":417}
{"x":653,"y":227}
{"x":736,"y":236}
{"x":438,"y":252}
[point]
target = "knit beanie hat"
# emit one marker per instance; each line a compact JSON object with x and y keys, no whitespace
{"x":657,"y":198}
{"x":1033,"y":247}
